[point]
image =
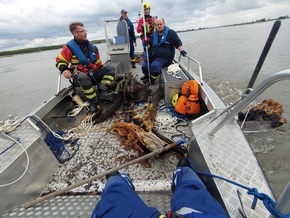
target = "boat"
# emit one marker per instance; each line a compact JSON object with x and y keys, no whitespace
{"x":38,"y":179}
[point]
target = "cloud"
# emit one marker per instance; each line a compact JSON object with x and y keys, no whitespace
{"x":32,"y":23}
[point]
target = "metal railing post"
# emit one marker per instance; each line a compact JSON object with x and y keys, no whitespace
{"x":58,"y":83}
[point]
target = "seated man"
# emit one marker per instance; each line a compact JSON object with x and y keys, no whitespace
{"x":190,"y":198}
{"x":161,"y":50}
{"x":80,"y":60}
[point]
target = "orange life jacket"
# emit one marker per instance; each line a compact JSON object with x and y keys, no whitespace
{"x":188,"y":101}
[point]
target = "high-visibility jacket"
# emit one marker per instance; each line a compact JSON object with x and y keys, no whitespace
{"x":80,"y":56}
{"x":149,"y":27}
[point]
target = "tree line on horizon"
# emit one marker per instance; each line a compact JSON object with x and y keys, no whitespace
{"x":45,"y":48}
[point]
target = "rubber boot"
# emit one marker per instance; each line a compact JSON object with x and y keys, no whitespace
{"x":104,"y":93}
{"x":93,"y":104}
{"x":133,"y":63}
{"x":145,"y":77}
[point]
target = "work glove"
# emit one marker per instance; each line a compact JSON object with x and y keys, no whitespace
{"x":183,"y":53}
{"x":147,"y":44}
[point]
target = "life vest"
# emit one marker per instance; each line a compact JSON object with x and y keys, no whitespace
{"x":187,"y":102}
{"x":80,"y":54}
{"x":163,"y":37}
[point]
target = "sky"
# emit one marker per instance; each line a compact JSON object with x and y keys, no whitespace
{"x":30,"y":23}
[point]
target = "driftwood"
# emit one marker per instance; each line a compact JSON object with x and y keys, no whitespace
{"x":149,"y":118}
{"x":136,"y":137}
{"x":269,"y":110}
{"x":133,"y":92}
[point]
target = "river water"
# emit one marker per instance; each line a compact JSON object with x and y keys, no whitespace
{"x":228,"y":57}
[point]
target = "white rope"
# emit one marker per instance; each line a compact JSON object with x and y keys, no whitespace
{"x":27,"y":162}
{"x":85,"y":125}
{"x":54,"y":133}
{"x":174,"y":70}
{"x":10,"y":125}
{"x":77,"y":109}
{"x":166,"y":123}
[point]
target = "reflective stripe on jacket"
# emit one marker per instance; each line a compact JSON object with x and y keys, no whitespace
{"x":72,"y":56}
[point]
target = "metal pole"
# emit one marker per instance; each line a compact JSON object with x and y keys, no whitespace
{"x":58,"y":83}
{"x":283,"y":203}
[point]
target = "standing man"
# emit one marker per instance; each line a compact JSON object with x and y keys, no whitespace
{"x":80,"y":61}
{"x":161,"y":50}
{"x":132,"y":37}
{"x":149,"y":23}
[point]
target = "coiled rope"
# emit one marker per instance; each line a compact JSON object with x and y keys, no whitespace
{"x":170,"y":122}
{"x":77,"y":109}
{"x":174,"y":70}
{"x":166,"y":123}
{"x":10,"y":125}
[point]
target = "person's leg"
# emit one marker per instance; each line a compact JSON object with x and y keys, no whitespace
{"x":120,"y":200}
{"x":107,"y":73}
{"x":85,"y":82}
{"x":191,"y":196}
{"x":132,"y":55}
{"x":105,"y":78}
{"x":144,"y":69}
{"x":155,"y":68}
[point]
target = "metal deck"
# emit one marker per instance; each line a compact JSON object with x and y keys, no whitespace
{"x":82,"y":206}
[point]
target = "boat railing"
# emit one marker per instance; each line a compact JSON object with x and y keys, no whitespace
{"x":189,"y":60}
{"x":279,"y":76}
{"x":283,"y":203}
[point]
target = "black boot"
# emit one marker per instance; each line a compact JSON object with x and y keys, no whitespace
{"x":133,"y":63}
{"x":145,"y":77}
{"x":115,"y":173}
{"x":93,"y":104}
{"x":104,"y":93}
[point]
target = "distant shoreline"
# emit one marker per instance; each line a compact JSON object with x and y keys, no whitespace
{"x":45,"y":48}
{"x":39,"y":49}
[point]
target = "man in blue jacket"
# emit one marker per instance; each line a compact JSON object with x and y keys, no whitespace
{"x":162,"y":47}
{"x":131,"y":32}
{"x":190,"y":198}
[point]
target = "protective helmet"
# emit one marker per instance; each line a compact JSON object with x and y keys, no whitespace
{"x":174,"y":99}
{"x":146,"y":6}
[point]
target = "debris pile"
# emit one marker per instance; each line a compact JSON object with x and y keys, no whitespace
{"x":269,"y":110}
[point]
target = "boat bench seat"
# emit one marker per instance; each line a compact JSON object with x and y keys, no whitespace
{"x":171,"y":84}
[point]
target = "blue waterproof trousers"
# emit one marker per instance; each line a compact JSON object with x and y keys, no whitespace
{"x":155,"y":66}
{"x":119,"y":200}
{"x":190,"y":199}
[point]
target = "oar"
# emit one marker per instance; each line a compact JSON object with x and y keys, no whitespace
{"x":264,"y":53}
{"x":59,"y":192}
